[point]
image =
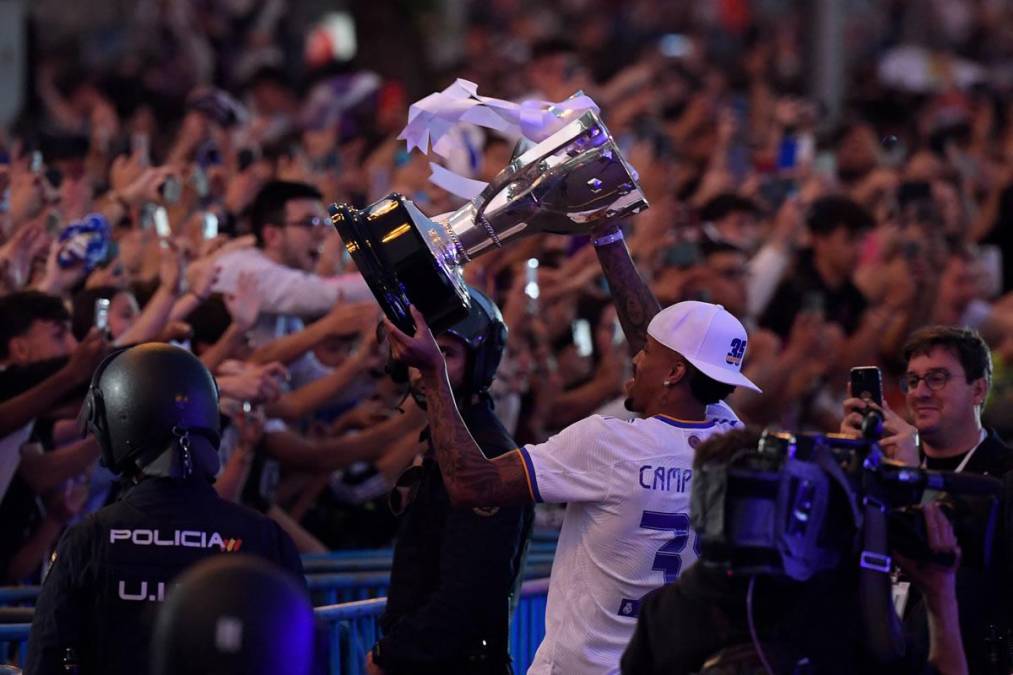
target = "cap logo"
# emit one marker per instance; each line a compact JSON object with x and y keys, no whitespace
{"x":735,"y":353}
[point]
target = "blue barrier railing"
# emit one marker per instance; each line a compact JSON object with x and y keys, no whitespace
{"x":326,"y":588}
{"x":353,"y":628}
{"x":14,"y":642}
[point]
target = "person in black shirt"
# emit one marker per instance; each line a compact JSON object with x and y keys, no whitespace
{"x":153,"y":409}
{"x":946,"y":383}
{"x":821,"y":280}
{"x":448,"y":608}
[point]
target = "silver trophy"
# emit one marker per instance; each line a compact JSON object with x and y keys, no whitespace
{"x":566,"y":184}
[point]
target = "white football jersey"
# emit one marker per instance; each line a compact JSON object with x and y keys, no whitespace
{"x":626,"y":531}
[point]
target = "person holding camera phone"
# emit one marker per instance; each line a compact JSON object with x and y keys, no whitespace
{"x":946,"y":381}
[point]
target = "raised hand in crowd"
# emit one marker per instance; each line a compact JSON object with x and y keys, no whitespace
{"x":255,"y":383}
{"x":244,"y":303}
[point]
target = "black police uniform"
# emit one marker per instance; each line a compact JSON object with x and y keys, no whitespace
{"x":112,"y":571}
{"x":448,"y":609}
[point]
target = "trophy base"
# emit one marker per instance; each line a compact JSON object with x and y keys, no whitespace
{"x":397,"y":250}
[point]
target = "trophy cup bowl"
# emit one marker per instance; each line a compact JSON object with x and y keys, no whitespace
{"x":570,"y":182}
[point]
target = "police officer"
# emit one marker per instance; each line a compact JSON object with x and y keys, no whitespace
{"x":153,"y":409}
{"x":448,"y":608}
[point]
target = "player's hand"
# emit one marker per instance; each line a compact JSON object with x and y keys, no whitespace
{"x":416,"y":351}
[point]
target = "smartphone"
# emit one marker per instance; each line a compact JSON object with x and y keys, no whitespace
{"x":675,"y":46}
{"x":210,"y":230}
{"x":813,"y":303}
{"x":160,"y":217}
{"x":139,"y":145}
{"x":787,"y":153}
{"x":867,"y":383}
{"x":531,"y":284}
{"x":581,"y":330}
{"x":36,"y":163}
{"x":54,"y":223}
{"x":102,"y":315}
{"x":171,"y":190}
{"x":200,"y":181}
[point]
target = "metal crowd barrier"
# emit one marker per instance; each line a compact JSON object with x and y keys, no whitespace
{"x":352,"y":628}
{"x":356,"y":579}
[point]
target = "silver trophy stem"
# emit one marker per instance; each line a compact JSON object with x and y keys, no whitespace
{"x":564,"y":184}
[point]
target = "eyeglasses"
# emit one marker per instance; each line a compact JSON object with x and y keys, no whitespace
{"x":934,"y":380}
{"x":311,"y":223}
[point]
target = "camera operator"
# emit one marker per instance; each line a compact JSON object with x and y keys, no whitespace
{"x":702,"y":620}
{"x":153,"y":410}
{"x":946,"y":381}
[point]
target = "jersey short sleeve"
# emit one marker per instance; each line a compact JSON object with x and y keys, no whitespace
{"x":575,"y":465}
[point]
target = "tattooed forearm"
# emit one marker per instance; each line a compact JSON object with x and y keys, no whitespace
{"x":470,"y":478}
{"x":635,"y":304}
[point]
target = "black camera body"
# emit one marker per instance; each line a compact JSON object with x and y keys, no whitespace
{"x":793,"y":506}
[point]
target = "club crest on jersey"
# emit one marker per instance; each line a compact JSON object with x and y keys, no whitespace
{"x":736,"y":352}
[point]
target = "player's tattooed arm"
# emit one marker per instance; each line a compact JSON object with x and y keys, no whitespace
{"x":635,"y":303}
{"x":470,"y":478}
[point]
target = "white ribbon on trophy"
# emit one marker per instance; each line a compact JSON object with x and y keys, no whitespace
{"x":431,"y":119}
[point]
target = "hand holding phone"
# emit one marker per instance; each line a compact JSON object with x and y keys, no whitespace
{"x":102,"y":316}
{"x":531,"y":284}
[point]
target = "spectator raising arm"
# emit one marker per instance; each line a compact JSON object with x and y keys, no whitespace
{"x":150,"y":324}
{"x":334,"y":453}
{"x":342,"y":319}
{"x":303,"y":401}
{"x":18,"y":411}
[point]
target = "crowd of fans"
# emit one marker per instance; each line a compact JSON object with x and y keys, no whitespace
{"x":831,"y":236}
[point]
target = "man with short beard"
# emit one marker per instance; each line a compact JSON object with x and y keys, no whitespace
{"x":626,"y":484}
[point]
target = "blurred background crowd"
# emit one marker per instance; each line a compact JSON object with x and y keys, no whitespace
{"x":833,"y":188}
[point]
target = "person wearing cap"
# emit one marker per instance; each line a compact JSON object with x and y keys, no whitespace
{"x":626,"y":484}
{"x":153,"y":410}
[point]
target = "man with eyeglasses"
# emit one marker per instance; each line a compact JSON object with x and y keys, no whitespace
{"x":946,"y":382}
{"x":290,"y":225}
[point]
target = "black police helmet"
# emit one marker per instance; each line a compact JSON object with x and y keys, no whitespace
{"x":484,"y":333}
{"x":234,"y":615}
{"x":142,"y":398}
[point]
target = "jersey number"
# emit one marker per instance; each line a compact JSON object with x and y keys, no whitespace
{"x":668,"y":559}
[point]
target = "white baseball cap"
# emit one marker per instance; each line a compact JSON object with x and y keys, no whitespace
{"x":707,"y":336}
